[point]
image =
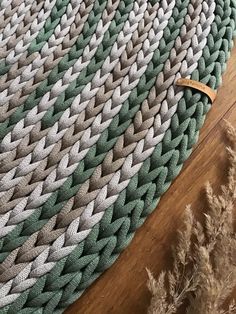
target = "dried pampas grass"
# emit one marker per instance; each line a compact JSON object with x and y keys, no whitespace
{"x":203,"y":275}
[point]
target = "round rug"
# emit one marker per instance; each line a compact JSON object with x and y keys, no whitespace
{"x":93,"y":129}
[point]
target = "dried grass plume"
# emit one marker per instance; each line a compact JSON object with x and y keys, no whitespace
{"x":203,"y":274}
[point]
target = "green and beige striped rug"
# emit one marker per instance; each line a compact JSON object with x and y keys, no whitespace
{"x":93,"y":129}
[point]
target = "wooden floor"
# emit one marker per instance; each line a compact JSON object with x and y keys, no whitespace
{"x":122,"y":289}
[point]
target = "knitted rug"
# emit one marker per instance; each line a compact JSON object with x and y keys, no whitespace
{"x":93,"y":129}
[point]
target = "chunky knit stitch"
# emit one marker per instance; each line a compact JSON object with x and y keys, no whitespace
{"x":93,"y":129}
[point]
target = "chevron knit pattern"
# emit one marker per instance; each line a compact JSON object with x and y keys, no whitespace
{"x":93,"y":130}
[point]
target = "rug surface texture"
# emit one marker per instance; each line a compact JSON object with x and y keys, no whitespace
{"x":93,"y":129}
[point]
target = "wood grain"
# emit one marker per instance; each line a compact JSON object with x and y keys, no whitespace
{"x":122,"y":288}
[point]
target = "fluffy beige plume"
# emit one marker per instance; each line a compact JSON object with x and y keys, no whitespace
{"x":203,"y":274}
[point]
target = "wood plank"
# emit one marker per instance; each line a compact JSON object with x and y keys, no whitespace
{"x":122,"y":288}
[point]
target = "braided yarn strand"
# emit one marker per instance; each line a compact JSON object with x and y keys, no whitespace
{"x":120,"y":139}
